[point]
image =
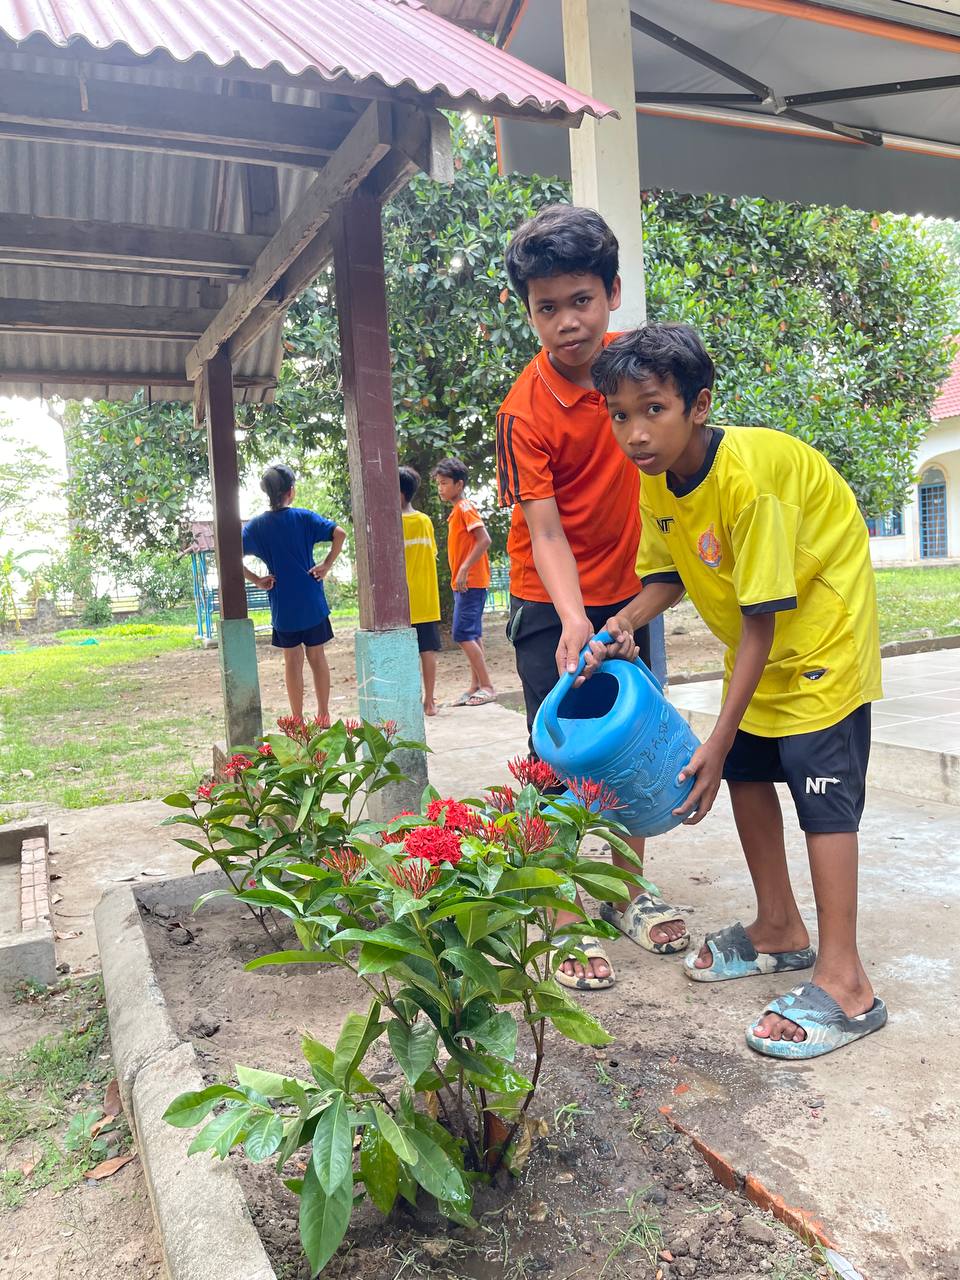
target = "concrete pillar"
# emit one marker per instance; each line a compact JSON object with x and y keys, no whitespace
{"x":598,"y":54}
{"x":385,"y":661}
{"x":605,"y":163}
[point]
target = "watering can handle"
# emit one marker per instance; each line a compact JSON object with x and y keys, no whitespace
{"x":550,"y":717}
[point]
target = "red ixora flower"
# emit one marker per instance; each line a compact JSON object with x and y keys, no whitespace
{"x":251,"y":883}
{"x":347,"y":861}
{"x":595,"y":796}
{"x":236,"y":765}
{"x":353,"y":726}
{"x":534,"y":834}
{"x":204,"y":789}
{"x":396,"y":837}
{"x":294,"y":727}
{"x":492,"y":833}
{"x":389,"y":728}
{"x":265,"y":749}
{"x":435,"y":844}
{"x":502,"y":799}
{"x":535,"y":773}
{"x":319,"y":723}
{"x":320,"y":758}
{"x":416,"y":874}
{"x":453,"y":814}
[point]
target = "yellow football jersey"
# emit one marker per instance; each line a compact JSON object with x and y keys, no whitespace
{"x":420,"y":556}
{"x":768,"y":525}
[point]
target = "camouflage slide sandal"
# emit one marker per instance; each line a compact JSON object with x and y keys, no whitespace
{"x":735,"y":956}
{"x":824,"y":1023}
{"x":592,"y":949}
{"x":644,"y":913}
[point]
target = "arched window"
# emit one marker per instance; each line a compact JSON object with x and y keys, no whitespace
{"x":933,"y":514}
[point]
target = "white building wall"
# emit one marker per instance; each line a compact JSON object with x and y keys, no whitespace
{"x":940,"y":448}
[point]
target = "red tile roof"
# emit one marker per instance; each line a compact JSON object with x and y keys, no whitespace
{"x":398,"y":42}
{"x":947,"y":404}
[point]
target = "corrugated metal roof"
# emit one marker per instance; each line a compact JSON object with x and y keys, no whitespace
{"x":397,"y":42}
{"x":947,"y":404}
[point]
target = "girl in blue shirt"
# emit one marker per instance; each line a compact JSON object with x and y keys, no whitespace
{"x":284,"y":538}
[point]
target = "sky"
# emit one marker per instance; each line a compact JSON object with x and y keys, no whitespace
{"x":30,"y":424}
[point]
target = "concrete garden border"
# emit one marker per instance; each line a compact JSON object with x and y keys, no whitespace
{"x":205,"y":1228}
{"x":28,"y":951}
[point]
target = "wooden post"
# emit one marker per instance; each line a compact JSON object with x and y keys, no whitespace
{"x":238,"y":652}
{"x":388,"y":667}
{"x":368,"y":408}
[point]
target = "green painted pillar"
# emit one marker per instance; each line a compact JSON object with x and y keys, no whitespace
{"x":388,"y":684}
{"x":240,"y":682}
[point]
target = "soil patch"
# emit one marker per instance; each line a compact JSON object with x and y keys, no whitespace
{"x":611,"y":1190}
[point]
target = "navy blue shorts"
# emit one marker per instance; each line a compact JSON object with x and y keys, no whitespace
{"x":468,"y":613}
{"x":826,"y":771}
{"x":428,"y":637}
{"x":320,"y":634}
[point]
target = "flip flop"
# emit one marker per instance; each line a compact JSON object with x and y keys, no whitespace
{"x":463,"y":699}
{"x":644,"y":913}
{"x":592,"y":949}
{"x":826,"y":1025}
{"x":480,"y":699}
{"x":735,"y":956}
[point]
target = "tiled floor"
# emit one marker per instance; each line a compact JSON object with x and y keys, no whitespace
{"x":921,"y":707}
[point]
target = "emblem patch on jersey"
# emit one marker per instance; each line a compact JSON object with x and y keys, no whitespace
{"x":816,"y":674}
{"x":664,"y":523}
{"x":708,"y":548}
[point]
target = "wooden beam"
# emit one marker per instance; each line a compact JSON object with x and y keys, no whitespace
{"x":368,"y":142}
{"x":421,"y":144}
{"x":103,"y":319}
{"x":112,"y":378}
{"x":114,"y":113}
{"x":126,"y":246}
{"x":225,"y":484}
{"x":368,"y":409}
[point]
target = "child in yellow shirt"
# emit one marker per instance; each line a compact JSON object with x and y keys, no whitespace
{"x":420,"y":557}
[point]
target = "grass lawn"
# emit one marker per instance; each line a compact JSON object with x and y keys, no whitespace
{"x":911,"y":600}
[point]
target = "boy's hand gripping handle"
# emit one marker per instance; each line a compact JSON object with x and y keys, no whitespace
{"x":551,"y":707}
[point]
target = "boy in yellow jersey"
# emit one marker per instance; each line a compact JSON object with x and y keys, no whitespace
{"x":420,"y":560}
{"x":766,"y":539}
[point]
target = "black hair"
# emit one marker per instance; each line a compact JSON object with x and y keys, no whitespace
{"x":664,"y":350}
{"x":452,"y":468}
{"x":562,"y":239}
{"x":276,"y":483}
{"x":409,"y":483}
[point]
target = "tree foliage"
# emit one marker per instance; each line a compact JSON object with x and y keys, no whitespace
{"x":829,"y":324}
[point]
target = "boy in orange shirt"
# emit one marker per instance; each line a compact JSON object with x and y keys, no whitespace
{"x":575,"y":528}
{"x":467,"y":543}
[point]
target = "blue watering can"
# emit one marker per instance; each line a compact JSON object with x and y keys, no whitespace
{"x":619,"y":729}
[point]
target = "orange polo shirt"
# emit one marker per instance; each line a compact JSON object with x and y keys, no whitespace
{"x":554,"y":440}
{"x":461,"y":522}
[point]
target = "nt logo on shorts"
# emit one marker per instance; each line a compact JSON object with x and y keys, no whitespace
{"x":819,"y":785}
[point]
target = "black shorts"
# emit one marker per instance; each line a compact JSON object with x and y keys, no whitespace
{"x":534,"y":630}
{"x":320,"y":634}
{"x":826,"y":771}
{"x":428,"y":637}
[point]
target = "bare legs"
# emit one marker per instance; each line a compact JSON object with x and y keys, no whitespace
{"x":778,"y":925}
{"x":428,"y":665}
{"x":293,"y":677}
{"x":479,"y":675}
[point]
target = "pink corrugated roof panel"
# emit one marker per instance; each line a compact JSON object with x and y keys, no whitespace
{"x":947,"y":404}
{"x":394,"y":41}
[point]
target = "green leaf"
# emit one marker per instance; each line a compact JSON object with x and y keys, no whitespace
{"x":498,"y":1035}
{"x":603,"y":888}
{"x":578,"y":1025}
{"x":321,"y":1060}
{"x":333,"y":1145}
{"x":379,"y":1168}
{"x":293,"y":957}
{"x":529,"y":878}
{"x":222,"y":1133}
{"x":263,"y":1138}
{"x":379,"y":856}
{"x":305,"y":805}
{"x":269,"y":1084}
{"x":190,"y":1108}
{"x":178,"y":800}
{"x":435,"y":1171}
{"x":396,"y":1137}
{"x":474,"y":966}
{"x":285,"y":749}
{"x":414,"y":1047}
{"x":488,"y":1072}
{"x":323,"y":1218}
{"x":357,"y":1035}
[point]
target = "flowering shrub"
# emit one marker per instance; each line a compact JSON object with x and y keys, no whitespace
{"x":448,"y":919}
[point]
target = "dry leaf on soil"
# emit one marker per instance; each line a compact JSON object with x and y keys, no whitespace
{"x":107,"y":1168}
{"x":111,"y":1102}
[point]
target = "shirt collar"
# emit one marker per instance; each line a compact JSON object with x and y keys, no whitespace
{"x":680,"y":488}
{"x":562,"y":389}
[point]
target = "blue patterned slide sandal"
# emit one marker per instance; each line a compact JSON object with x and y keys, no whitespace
{"x":824,"y":1023}
{"x":735,"y":956}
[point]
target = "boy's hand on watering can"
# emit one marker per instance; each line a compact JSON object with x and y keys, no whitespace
{"x":706,"y":766}
{"x":622,"y":645}
{"x":575,"y":634}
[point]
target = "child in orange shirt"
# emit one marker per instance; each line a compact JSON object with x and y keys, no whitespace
{"x":467,"y":543}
